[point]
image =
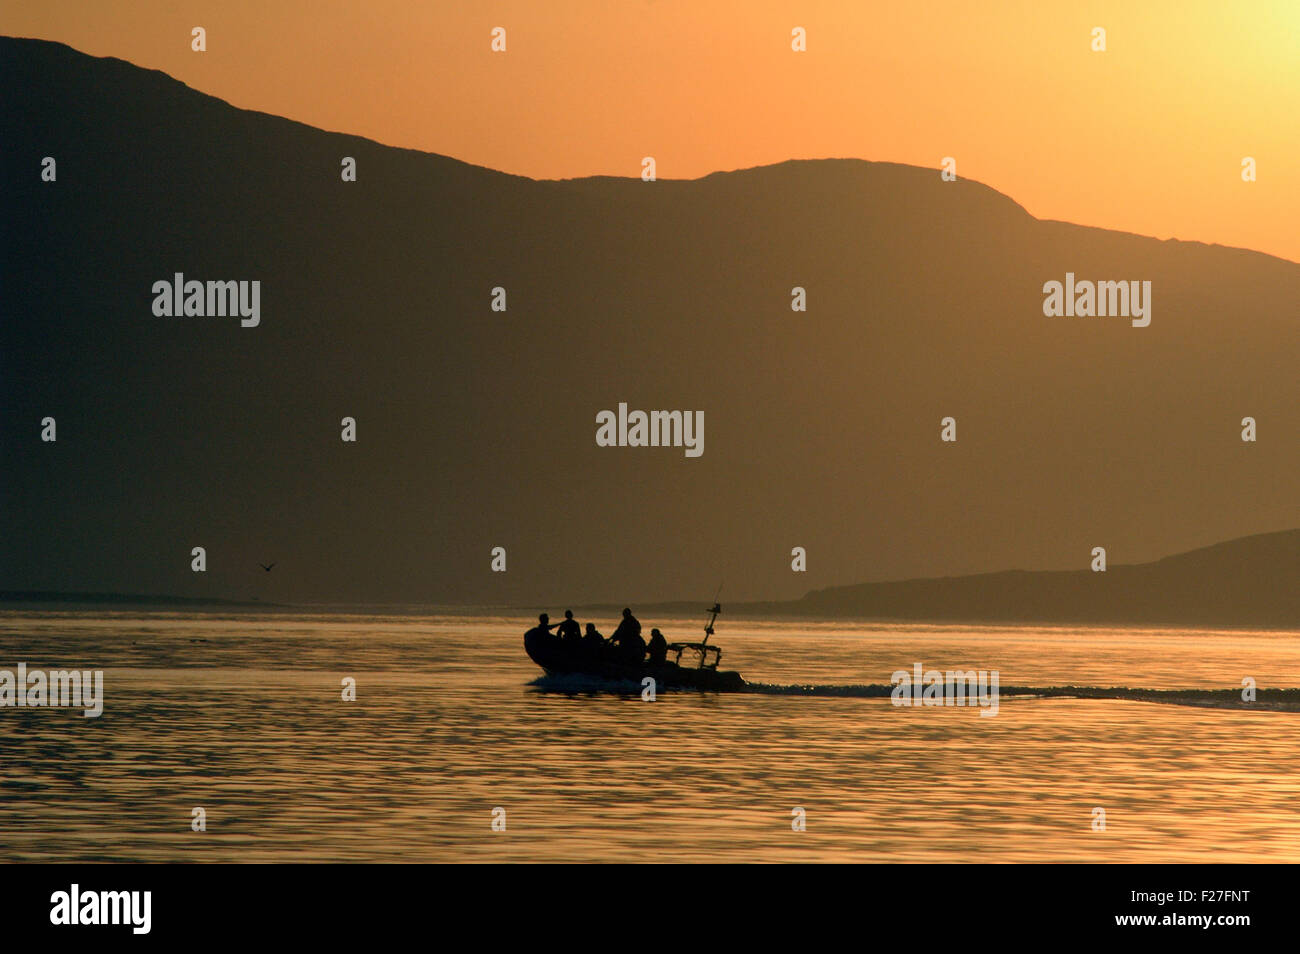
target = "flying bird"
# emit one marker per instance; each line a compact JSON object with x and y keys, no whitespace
{"x":266,"y":566}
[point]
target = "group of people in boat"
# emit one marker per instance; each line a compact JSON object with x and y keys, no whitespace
{"x":626,"y":645}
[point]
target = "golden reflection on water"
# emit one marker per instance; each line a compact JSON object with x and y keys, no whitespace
{"x":242,"y":716}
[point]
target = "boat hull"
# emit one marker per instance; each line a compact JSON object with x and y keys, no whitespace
{"x":557,"y":659}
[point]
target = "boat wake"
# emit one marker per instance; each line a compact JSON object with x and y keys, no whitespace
{"x":1278,"y":700}
{"x":1283,"y":700}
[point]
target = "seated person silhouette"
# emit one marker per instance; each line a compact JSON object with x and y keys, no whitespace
{"x":658,"y":648}
{"x":593,"y":643}
{"x":544,"y":626}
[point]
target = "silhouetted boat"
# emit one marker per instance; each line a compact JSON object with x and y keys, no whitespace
{"x":699,"y":670}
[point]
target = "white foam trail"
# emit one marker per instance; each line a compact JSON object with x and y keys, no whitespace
{"x":1281,"y":700}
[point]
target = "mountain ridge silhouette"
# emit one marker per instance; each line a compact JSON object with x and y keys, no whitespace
{"x":476,"y":429}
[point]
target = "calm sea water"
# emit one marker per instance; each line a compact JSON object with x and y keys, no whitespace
{"x":241,"y":715}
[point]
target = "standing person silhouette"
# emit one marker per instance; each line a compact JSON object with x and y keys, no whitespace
{"x":569,"y":631}
{"x":628,"y":640}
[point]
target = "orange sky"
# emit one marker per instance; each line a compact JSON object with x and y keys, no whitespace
{"x":1147,"y":137}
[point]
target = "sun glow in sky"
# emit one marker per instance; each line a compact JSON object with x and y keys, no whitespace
{"x":1148,"y":136}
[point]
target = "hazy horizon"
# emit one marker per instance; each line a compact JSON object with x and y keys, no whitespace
{"x":823,"y":428}
{"x":1241,"y":584}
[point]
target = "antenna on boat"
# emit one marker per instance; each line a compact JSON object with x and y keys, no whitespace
{"x":717,"y":608}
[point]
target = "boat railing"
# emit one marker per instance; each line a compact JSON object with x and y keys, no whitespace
{"x":710,"y":656}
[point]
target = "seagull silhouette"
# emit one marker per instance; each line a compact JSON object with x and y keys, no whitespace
{"x":266,"y":566}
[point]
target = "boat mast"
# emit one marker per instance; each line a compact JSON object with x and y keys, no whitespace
{"x":708,"y":629}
